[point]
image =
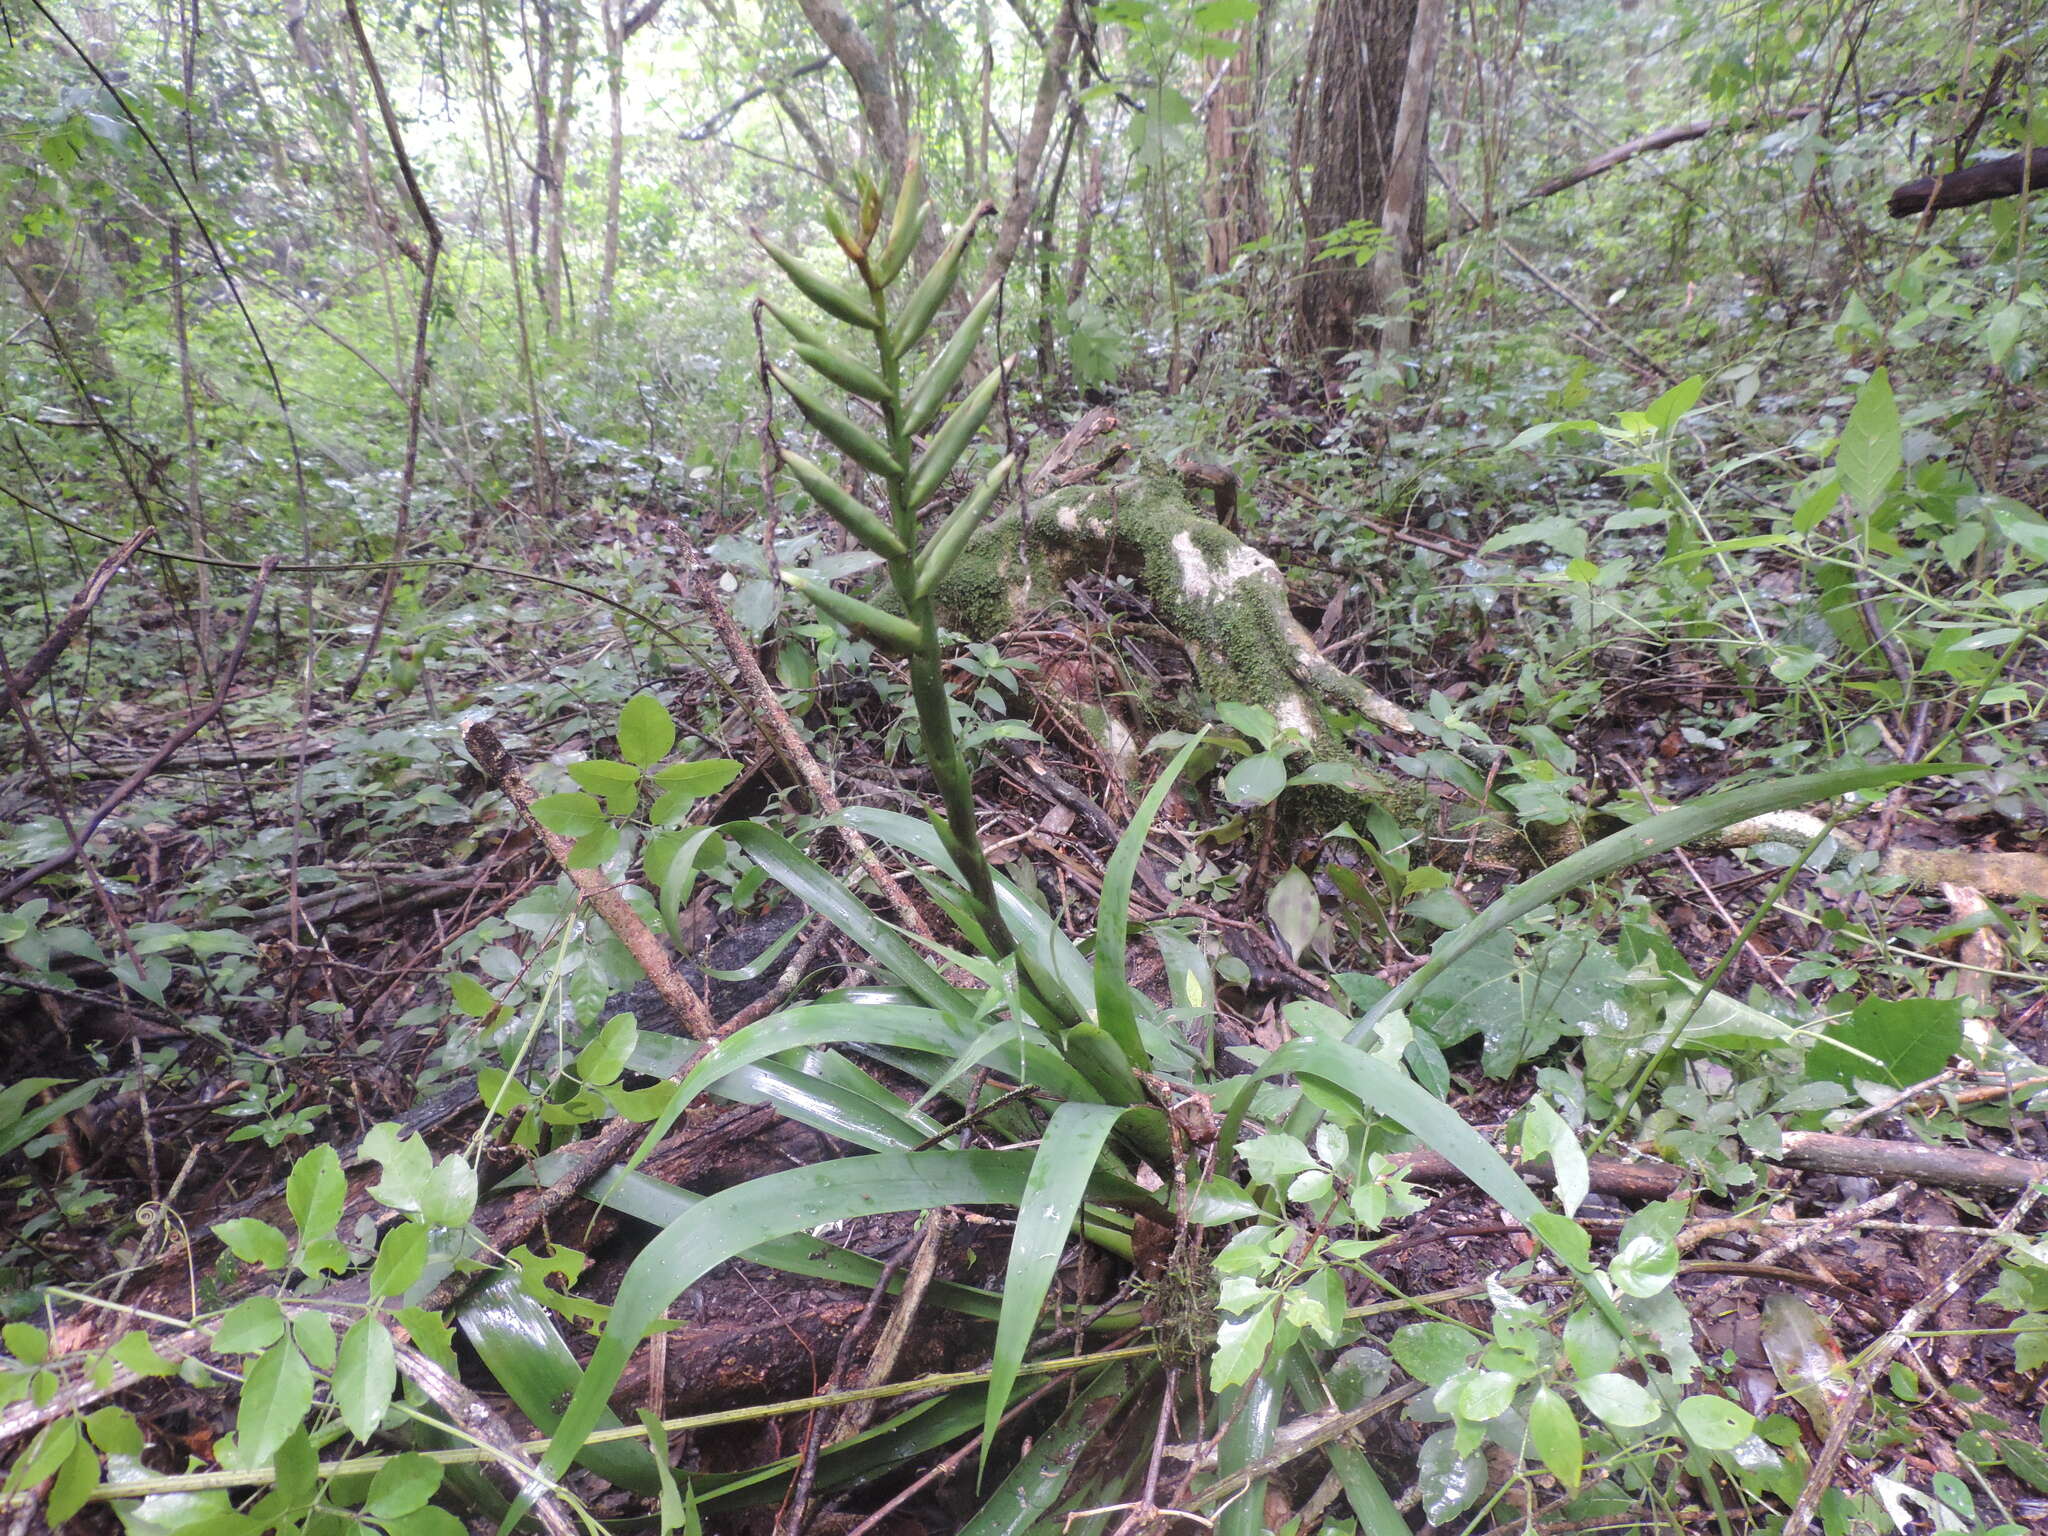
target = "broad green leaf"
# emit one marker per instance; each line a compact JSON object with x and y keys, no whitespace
{"x":1619,"y":1400}
{"x":1485,"y":1396}
{"x":1256,"y":780}
{"x":1668,"y":409}
{"x":697,"y":779}
{"x":1447,"y":1481}
{"x":449,"y":1198}
{"x":26,"y":1342}
{"x":604,"y":1058}
{"x":1296,"y":911}
{"x":1714,"y":1423}
{"x":1646,"y":1256}
{"x":314,"y":1191}
{"x":275,"y":1396}
{"x":1433,"y":1352}
{"x":74,"y":1483}
{"x":1060,"y":1174}
{"x":570,"y":814}
{"x":1896,"y":1043}
{"x":1555,"y":1437}
{"x":254,"y":1242}
{"x":401,"y":1260}
{"x":1872,"y":446}
{"x":1544,"y":1134}
{"x":249,"y":1327}
{"x":402,"y":1485}
{"x":365,"y":1376}
{"x":617,"y":783}
{"x":593,"y":850}
{"x":406,"y":1163}
{"x":52,"y":1445}
{"x":470,"y":997}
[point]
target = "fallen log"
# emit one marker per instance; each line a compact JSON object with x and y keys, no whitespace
{"x":1984,"y":182}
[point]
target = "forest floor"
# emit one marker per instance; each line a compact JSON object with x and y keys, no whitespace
{"x":343,"y":855}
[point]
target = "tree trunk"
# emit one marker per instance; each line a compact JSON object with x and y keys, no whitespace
{"x":1234,"y":195}
{"x":1401,"y":219}
{"x":879,"y":109}
{"x":1350,"y":102}
{"x":1052,"y":82}
{"x":556,"y":270}
{"x":615,"y":157}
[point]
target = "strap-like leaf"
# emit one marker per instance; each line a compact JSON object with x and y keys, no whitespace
{"x":1645,"y":840}
{"x":1055,"y":1460}
{"x":851,"y":514}
{"x":828,"y":896}
{"x":733,"y":1221}
{"x":938,"y":555}
{"x":1116,"y":1010}
{"x":928,"y":395}
{"x":842,"y":232}
{"x":845,"y":434}
{"x":890,"y":630}
{"x":838,"y":302}
{"x":951,"y":440}
{"x":906,"y":225}
{"x":1067,"y":1154}
{"x":799,"y":328}
{"x":903,"y":240}
{"x":929,"y":294}
{"x":849,"y":373}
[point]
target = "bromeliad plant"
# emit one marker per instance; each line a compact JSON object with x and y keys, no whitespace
{"x":911,"y":457}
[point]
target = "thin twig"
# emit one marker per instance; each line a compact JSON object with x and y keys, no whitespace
{"x":774,"y":722}
{"x":1879,"y":1356}
{"x":22,"y":683}
{"x":149,"y":765}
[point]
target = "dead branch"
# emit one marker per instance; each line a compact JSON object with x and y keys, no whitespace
{"x":773,"y":721}
{"x":149,"y":765}
{"x":1984,"y":182}
{"x":66,"y":630}
{"x":1600,"y":165}
{"x":497,"y":766}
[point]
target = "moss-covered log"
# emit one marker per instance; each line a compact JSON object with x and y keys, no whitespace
{"x":1226,"y":601}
